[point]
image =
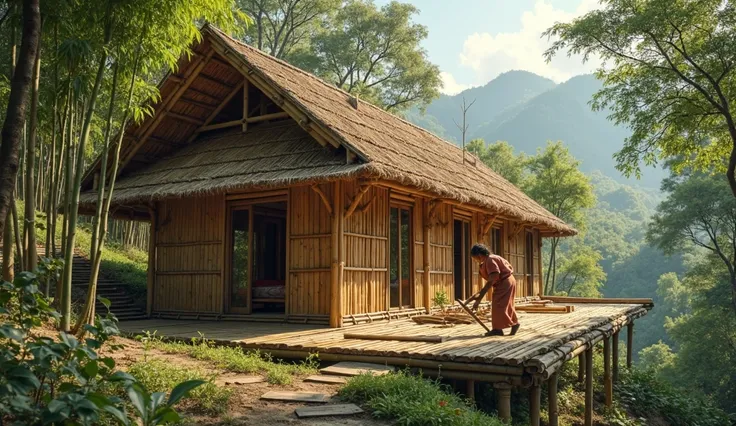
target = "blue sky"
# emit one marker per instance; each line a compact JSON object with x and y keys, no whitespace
{"x":473,"y":41}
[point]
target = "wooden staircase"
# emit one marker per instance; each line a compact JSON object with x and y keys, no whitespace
{"x":121,"y":303}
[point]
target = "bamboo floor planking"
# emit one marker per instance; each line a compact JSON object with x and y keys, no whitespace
{"x":540,"y":333}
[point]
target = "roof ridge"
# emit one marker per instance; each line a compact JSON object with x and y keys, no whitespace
{"x":333,"y":87}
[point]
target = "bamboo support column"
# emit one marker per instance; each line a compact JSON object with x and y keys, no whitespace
{"x":589,"y":387}
{"x":535,"y":399}
{"x":337,"y":212}
{"x":470,"y":389}
{"x":581,"y":367}
{"x":629,"y":343}
{"x":552,"y":400}
{"x":614,"y":349}
{"x":503,"y":401}
{"x":607,"y":384}
{"x":151,"y":264}
{"x":425,"y":256}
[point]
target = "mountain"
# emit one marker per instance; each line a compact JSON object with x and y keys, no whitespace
{"x":528,"y":110}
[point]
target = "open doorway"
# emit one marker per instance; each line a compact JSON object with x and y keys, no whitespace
{"x":257,"y":258}
{"x":462,"y":272}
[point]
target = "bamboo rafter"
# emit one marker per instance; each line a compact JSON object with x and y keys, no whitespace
{"x":487,"y":225}
{"x":367,"y":205}
{"x":322,"y":195}
{"x":206,"y":125}
{"x":356,"y":200}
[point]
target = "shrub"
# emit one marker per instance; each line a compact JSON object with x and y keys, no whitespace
{"x":239,"y":361}
{"x":412,"y":401}
{"x":54,"y":381}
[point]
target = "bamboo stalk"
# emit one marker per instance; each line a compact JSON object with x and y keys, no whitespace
{"x":428,"y":339}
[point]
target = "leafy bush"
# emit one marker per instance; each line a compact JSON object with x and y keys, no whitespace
{"x":49,"y":381}
{"x":237,"y":360}
{"x":412,"y":401}
{"x":648,"y":397}
{"x":158,"y":375}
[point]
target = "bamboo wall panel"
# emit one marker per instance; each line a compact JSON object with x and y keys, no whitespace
{"x":441,"y":259}
{"x":516,"y":256}
{"x":537,"y":264}
{"x":189,"y":240}
{"x":365,"y":286}
{"x":419,"y":253}
{"x":310,"y":248}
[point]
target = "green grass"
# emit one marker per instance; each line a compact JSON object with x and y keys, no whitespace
{"x":160,"y":376}
{"x":239,"y":361}
{"x":412,"y":401}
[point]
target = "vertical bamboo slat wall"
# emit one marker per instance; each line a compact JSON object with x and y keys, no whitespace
{"x":309,"y":248}
{"x":365,"y":286}
{"x":418,"y":224}
{"x":189,"y":242}
{"x":441,"y":259}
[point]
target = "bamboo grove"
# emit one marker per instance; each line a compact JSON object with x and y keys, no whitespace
{"x":95,"y":70}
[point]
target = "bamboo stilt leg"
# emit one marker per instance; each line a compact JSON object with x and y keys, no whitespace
{"x":614,"y":349}
{"x":470,"y":389}
{"x":581,"y":367}
{"x":535,"y":397}
{"x":552,"y":400}
{"x":589,"y":387}
{"x":629,"y":343}
{"x":607,"y":384}
{"x":503,"y":401}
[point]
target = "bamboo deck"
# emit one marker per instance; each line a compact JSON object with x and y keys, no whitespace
{"x":543,"y":343}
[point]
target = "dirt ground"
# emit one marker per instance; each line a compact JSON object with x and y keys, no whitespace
{"x":246,"y":407}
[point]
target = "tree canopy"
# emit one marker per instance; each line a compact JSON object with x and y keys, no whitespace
{"x":668,"y":75}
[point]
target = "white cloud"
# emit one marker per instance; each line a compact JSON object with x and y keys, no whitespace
{"x":489,"y":55}
{"x":450,"y":86}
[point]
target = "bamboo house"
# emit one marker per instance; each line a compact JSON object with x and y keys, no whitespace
{"x":278,"y":199}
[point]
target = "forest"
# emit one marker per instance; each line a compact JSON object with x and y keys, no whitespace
{"x":74,"y":75}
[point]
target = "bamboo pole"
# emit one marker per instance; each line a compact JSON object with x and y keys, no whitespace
{"x":581,"y":367}
{"x":428,"y":339}
{"x":552,"y":410}
{"x":607,"y":385}
{"x":151,"y":264}
{"x":535,"y":397}
{"x":602,"y":301}
{"x":356,"y":200}
{"x":470,"y":389}
{"x":426,"y":277}
{"x":503,"y":401}
{"x":589,"y":387}
{"x":629,"y":343}
{"x":614,"y":349}
{"x":335,"y":317}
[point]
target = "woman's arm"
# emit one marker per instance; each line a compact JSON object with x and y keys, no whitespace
{"x":479,"y":295}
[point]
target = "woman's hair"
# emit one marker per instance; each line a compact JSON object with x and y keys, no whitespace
{"x":480,"y":250}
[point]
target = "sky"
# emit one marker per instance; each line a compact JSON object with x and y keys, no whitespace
{"x":473,"y":41}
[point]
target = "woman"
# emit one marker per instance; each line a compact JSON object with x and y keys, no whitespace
{"x":498,"y":274}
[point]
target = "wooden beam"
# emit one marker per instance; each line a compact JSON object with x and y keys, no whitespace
{"x":488,"y":224}
{"x":356,"y":200}
{"x":266,"y":117}
{"x":367,"y":205}
{"x":215,"y":127}
{"x":607,"y":383}
{"x":322,"y":196}
{"x":186,"y":118}
{"x":552,"y":410}
{"x":206,"y":124}
{"x":589,"y":387}
{"x":165,"y":107}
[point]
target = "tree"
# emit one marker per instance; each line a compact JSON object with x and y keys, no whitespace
{"x":375,"y":54}
{"x":501,"y":159}
{"x":282,"y":27}
{"x":557,"y":183}
{"x":16,"y":110}
{"x":698,"y":212}
{"x":465,"y":126}
{"x":580,"y":272}
{"x":669,"y":76}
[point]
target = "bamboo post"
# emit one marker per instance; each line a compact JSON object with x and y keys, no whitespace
{"x":614,"y":349}
{"x":589,"y":387}
{"x":552,"y":400}
{"x":607,"y":384}
{"x":503,"y":399}
{"x":535,"y":397}
{"x":151,"y":263}
{"x":335,"y":319}
{"x":581,"y":367}
{"x":245,"y":105}
{"x":629,"y":343}
{"x":341,"y":251}
{"x":425,"y":254}
{"x":470,"y":389}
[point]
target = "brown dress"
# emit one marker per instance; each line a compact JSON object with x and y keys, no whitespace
{"x":503,"y":314}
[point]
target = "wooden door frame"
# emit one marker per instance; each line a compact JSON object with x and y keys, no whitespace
{"x":248,"y":204}
{"x":405,"y":205}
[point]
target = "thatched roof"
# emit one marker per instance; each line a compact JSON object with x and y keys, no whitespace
{"x":387,"y":147}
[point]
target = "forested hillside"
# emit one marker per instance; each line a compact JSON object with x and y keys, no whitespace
{"x":527,"y":110}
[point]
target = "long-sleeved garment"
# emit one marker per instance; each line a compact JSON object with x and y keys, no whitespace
{"x":503,"y":314}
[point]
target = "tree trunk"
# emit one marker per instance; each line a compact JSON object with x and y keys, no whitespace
{"x":31,"y":254}
{"x":16,"y":110}
{"x":75,"y":187}
{"x":8,"y":261}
